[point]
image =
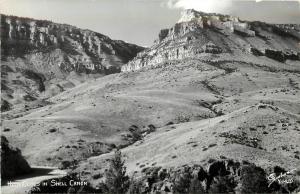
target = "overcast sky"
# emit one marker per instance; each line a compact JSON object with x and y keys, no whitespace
{"x":139,"y":21}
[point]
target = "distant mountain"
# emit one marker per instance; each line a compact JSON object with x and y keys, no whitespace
{"x":198,"y":34}
{"x":43,"y":58}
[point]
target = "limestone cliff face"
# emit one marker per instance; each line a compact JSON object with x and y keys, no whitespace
{"x":83,"y":50}
{"x":199,"y":34}
{"x":40,"y":58}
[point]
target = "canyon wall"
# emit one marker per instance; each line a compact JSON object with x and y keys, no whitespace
{"x":198,"y":34}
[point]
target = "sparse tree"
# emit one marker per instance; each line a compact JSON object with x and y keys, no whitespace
{"x":116,"y":179}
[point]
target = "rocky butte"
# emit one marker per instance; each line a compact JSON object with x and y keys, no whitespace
{"x":198,"y":35}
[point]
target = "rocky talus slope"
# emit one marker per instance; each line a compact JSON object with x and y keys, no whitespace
{"x":40,"y":58}
{"x":12,"y":161}
{"x":198,"y":34}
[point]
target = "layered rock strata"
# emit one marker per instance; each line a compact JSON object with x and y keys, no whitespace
{"x":199,"y":34}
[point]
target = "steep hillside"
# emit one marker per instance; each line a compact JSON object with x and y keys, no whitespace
{"x":40,"y":58}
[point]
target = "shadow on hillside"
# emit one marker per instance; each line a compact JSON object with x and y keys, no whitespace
{"x":38,"y":171}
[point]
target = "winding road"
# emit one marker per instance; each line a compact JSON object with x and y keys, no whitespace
{"x":23,"y":184}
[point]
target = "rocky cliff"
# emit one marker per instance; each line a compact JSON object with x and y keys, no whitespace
{"x":43,"y":58}
{"x":81,"y":50}
{"x":198,"y":35}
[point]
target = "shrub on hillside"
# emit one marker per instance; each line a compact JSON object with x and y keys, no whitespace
{"x":222,"y":184}
{"x":136,"y":186}
{"x":181,"y":181}
{"x":135,"y":133}
{"x":253,"y":180}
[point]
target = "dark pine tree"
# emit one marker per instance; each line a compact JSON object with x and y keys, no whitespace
{"x":116,"y":179}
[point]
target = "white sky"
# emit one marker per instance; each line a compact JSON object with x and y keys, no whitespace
{"x":139,"y":21}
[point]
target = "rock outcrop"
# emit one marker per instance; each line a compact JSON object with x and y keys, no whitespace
{"x":40,"y":58}
{"x":12,"y":161}
{"x":199,"y":34}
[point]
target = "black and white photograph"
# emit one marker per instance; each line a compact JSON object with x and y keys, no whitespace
{"x":150,"y":96}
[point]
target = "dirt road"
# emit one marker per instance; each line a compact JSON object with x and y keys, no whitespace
{"x":23,"y":184}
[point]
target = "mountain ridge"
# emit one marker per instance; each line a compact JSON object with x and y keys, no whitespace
{"x":40,"y":58}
